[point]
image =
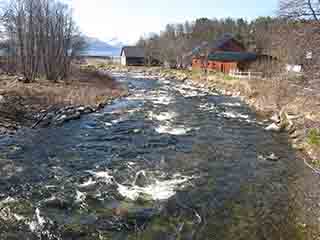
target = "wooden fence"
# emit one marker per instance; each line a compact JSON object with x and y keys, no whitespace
{"x":300,"y":89}
{"x":248,"y":75}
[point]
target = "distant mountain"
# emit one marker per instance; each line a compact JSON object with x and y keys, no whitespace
{"x":116,"y":42}
{"x":97,"y":47}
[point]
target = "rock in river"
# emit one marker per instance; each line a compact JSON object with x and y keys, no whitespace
{"x":141,"y":179}
{"x":273,"y":127}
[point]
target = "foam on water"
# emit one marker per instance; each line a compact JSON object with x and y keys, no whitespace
{"x":164,"y":116}
{"x":160,"y":190}
{"x":235,"y":115}
{"x":162,"y":100}
{"x":228,"y":104}
{"x":80,"y":197}
{"x":208,"y":107}
{"x":172,"y":130}
{"x":88,"y":183}
{"x":38,"y":222}
{"x":103,"y":175}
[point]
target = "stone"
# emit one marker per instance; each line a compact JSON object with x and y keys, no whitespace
{"x":2,"y":99}
{"x":73,"y":116}
{"x":297,"y":134}
{"x":275,"y":118}
{"x":56,"y":202}
{"x":88,"y":110}
{"x":272,"y":157}
{"x":273,"y":127}
{"x":21,"y":79}
{"x":141,"y":179}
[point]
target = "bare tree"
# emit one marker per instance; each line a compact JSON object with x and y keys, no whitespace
{"x":300,"y":9}
{"x":43,"y":36}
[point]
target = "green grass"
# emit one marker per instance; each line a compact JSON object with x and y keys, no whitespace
{"x":314,"y":137}
{"x":228,"y":78}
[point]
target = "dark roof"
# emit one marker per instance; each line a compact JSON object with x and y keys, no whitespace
{"x":223,"y":40}
{"x":135,"y":52}
{"x":216,"y":45}
{"x":232,"y":56}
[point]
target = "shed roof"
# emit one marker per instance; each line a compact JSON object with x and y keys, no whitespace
{"x":232,"y":56}
{"x":132,"y":51}
{"x":227,"y":37}
{"x":216,"y":45}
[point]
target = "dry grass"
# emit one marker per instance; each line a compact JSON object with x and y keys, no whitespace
{"x":83,"y":88}
{"x":24,"y":101}
{"x":275,"y":95}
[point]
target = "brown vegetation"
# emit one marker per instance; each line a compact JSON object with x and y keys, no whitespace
{"x":23,"y":102}
{"x":42,"y":38}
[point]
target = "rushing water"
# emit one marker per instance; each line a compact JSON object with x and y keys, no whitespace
{"x":168,"y":162}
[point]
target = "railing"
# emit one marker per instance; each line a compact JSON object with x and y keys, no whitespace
{"x":300,"y":89}
{"x":249,"y":75}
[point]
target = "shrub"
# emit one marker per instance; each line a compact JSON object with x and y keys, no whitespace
{"x":314,"y":137}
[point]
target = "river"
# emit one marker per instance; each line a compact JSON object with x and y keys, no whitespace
{"x":170,"y":161}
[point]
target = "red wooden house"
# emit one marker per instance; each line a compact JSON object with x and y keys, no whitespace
{"x":224,"y":55}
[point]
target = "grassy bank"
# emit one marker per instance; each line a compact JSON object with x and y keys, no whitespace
{"x":21,"y":104}
{"x":285,"y":99}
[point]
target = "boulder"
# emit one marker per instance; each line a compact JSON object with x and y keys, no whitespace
{"x":57,"y":202}
{"x":273,"y":127}
{"x":85,"y":110}
{"x":272,"y":157}
{"x":275,"y":118}
{"x":141,"y":179}
{"x":73,"y":116}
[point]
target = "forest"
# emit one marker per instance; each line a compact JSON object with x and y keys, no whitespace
{"x":289,"y":36}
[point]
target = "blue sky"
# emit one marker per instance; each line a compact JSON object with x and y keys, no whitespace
{"x":127,"y":20}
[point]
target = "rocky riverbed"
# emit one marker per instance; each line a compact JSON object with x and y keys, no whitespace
{"x":297,"y":123}
{"x":170,"y":160}
{"x":44,"y":103}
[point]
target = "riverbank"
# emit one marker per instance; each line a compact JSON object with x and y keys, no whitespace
{"x":282,"y":101}
{"x":43,"y":103}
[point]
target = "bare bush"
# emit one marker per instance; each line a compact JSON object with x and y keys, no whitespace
{"x":43,"y":37}
{"x":300,"y":9}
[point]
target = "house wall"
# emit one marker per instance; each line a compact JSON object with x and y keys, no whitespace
{"x":198,"y":63}
{"x":123,"y":60}
{"x":134,"y":61}
{"x":225,"y":67}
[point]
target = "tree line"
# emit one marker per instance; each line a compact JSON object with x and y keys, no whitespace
{"x":41,"y":38}
{"x":177,"y":40}
{"x":289,"y":36}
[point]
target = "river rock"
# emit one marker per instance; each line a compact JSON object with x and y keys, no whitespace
{"x":57,"y":202}
{"x":275,"y":118}
{"x":85,"y":110}
{"x":141,"y":179}
{"x":273,"y":127}
{"x":272,"y":157}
